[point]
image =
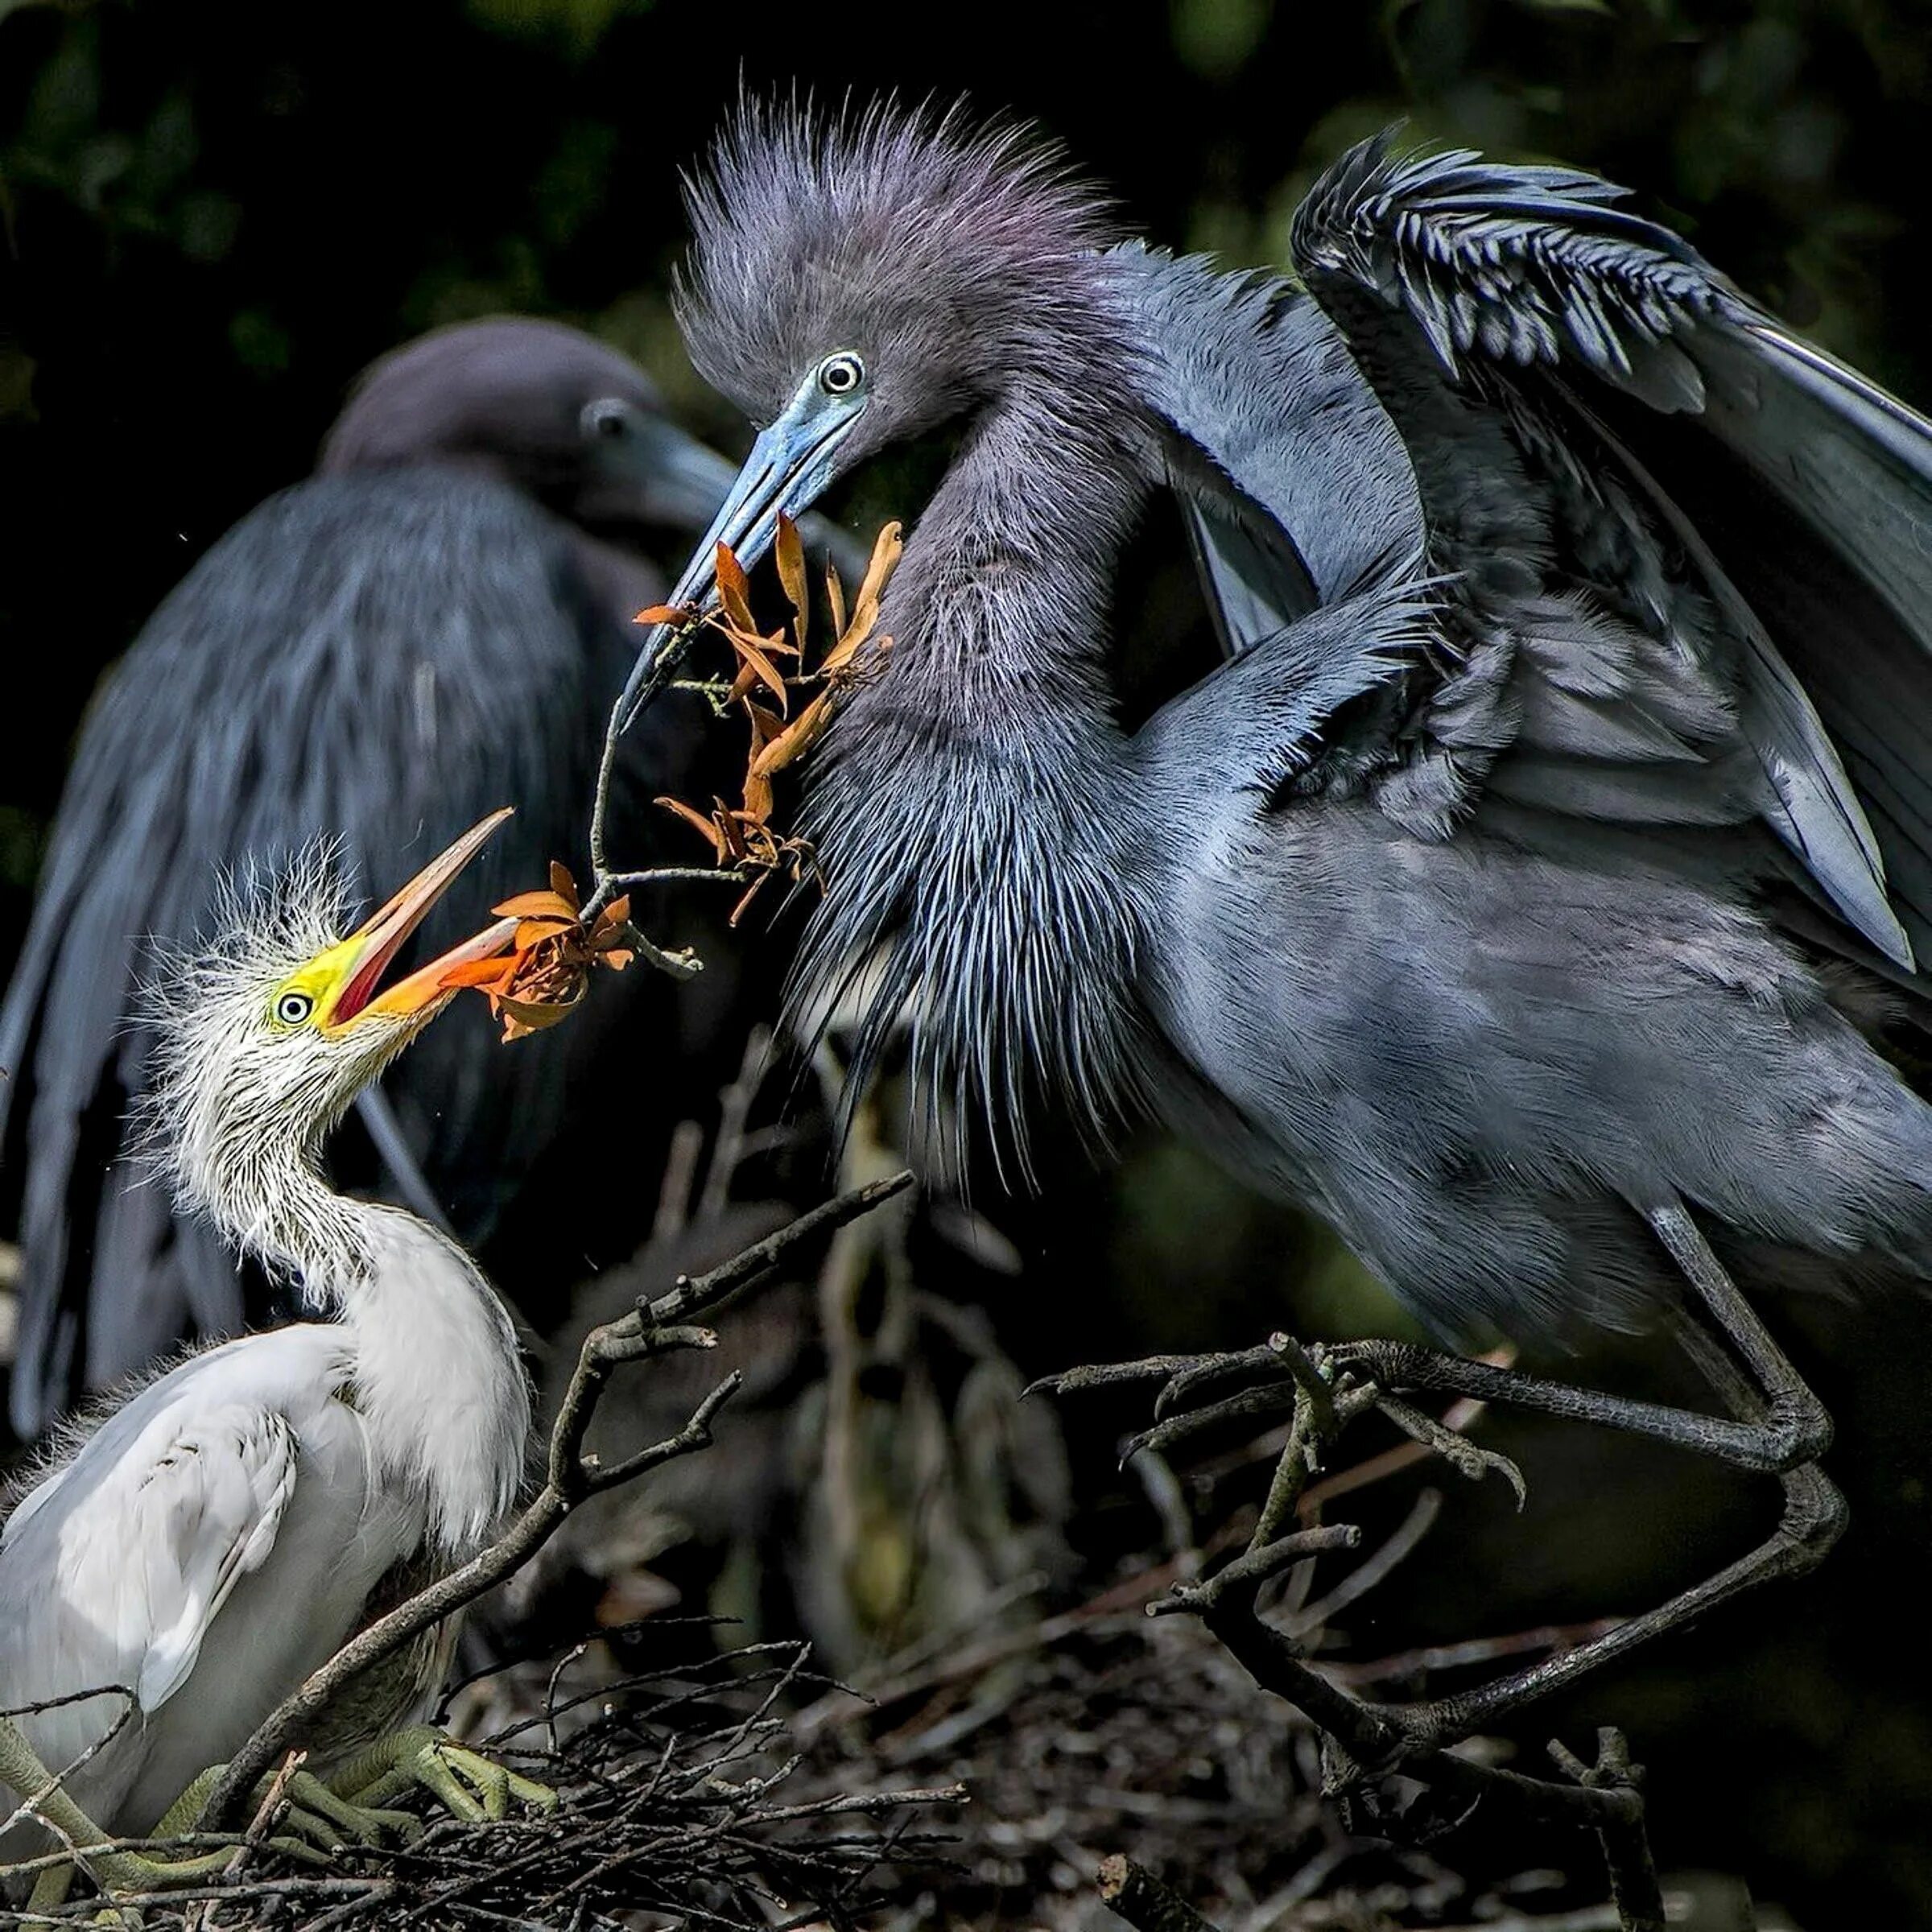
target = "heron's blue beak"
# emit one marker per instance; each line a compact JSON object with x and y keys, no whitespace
{"x":790,"y":466}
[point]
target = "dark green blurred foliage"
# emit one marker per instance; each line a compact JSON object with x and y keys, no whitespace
{"x":213,"y":214}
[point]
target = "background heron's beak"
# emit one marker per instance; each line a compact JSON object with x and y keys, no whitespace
{"x":367,"y":952}
{"x":678,"y":482}
{"x":789,"y":465}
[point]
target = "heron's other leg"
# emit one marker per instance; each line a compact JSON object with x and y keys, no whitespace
{"x":1775,"y":1401}
{"x":1786,"y":1429}
{"x":471,"y":1786}
{"x":22,"y":1772}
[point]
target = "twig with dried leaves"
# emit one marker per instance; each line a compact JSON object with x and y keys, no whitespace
{"x":559,"y":937}
{"x":745,"y":844}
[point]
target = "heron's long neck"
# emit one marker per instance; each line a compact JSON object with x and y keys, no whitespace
{"x":1001,"y":604}
{"x":438,"y":1379}
{"x":436,"y":1376}
{"x":963,"y":822}
{"x":272,"y":1201}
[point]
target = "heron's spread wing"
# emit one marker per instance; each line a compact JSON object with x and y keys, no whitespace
{"x":1287,"y":508}
{"x":1686,"y":560}
{"x":378,"y":658}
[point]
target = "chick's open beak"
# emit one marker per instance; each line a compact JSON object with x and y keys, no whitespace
{"x":367,"y":952}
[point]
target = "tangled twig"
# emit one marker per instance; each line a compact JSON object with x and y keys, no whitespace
{"x":677,"y":1793}
{"x":1364,"y":1741}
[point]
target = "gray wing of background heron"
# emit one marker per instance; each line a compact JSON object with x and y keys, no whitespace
{"x":302,"y":677}
{"x":382,"y":655}
{"x":1680,"y":555}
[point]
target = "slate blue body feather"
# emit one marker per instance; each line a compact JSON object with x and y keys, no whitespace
{"x":1541,"y":857}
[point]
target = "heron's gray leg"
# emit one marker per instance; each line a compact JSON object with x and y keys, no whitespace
{"x":1754,"y":1444}
{"x":1784,"y":1430}
{"x":1814,"y":1517}
{"x":1789,"y":1418}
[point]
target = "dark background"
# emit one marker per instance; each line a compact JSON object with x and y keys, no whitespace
{"x":214,"y":215}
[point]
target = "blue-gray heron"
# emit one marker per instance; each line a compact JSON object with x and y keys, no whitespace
{"x":219,"y":1534}
{"x":1522,"y":892}
{"x":439,"y":619}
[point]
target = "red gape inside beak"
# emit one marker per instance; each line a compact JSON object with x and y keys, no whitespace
{"x":377,"y":942}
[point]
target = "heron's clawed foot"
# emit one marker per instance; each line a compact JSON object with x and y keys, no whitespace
{"x":466,"y":1783}
{"x":1326,"y":1387}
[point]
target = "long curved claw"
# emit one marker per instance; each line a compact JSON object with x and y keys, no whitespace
{"x":1262,"y":1362}
{"x":1251,"y":1405}
{"x":1112,"y":1375}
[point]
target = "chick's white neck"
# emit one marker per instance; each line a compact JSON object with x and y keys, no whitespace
{"x":434,"y":1370}
{"x":438,"y":1379}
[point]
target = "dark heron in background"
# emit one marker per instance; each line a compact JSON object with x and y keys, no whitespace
{"x":1528,"y":891}
{"x":436,"y":623}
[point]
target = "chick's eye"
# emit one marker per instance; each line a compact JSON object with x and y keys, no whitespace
{"x":292,"y":1009}
{"x":842,"y":374}
{"x":607,"y":419}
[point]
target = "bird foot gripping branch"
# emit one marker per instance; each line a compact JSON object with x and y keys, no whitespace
{"x":1320,"y":1392}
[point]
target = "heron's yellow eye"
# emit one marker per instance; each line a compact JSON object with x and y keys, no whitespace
{"x":841,"y":375}
{"x":292,"y":1009}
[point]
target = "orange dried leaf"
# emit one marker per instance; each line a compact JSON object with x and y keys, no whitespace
{"x":708,"y":827}
{"x":865,"y":608}
{"x":751,"y":891}
{"x":834,"y":596}
{"x":663,"y":613}
{"x":734,"y":590}
{"x":790,"y":557}
{"x":562,"y":885}
{"x":756,"y":668}
{"x":795,"y":740}
{"x":549,"y":905}
{"x":522,"y":1016}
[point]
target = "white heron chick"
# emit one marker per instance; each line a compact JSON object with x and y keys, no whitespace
{"x":224,"y":1529}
